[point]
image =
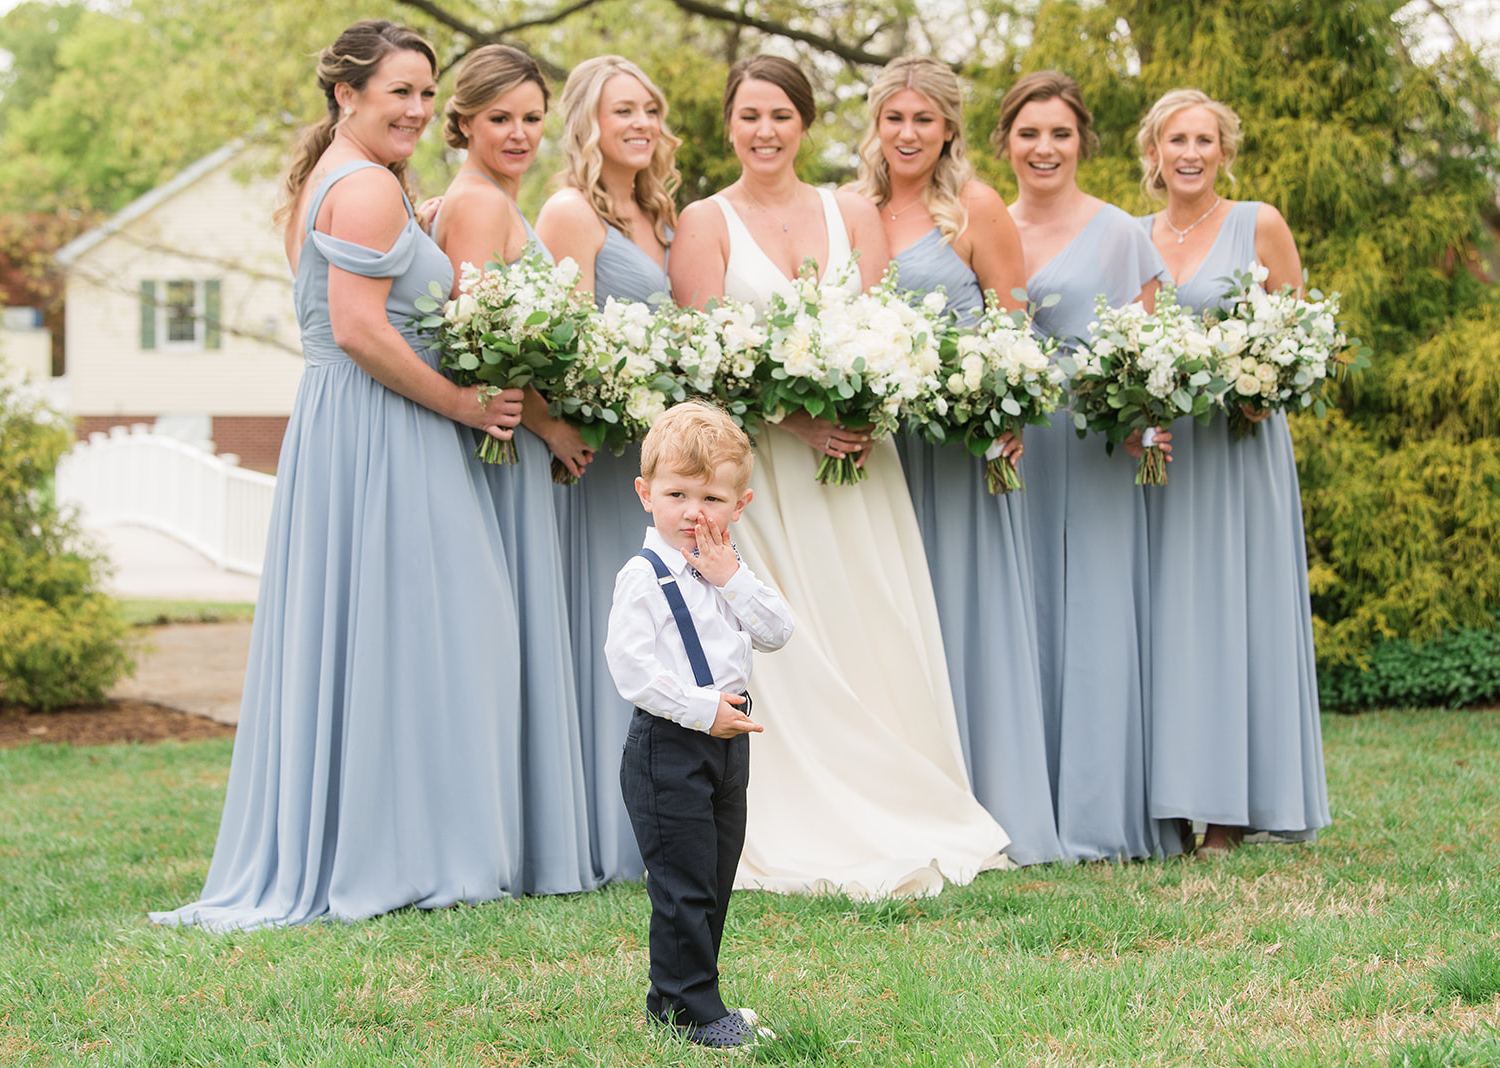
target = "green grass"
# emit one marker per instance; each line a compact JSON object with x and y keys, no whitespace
{"x":1376,"y":946}
{"x":143,"y":613}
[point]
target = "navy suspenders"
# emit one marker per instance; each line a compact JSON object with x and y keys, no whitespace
{"x":668,"y":584}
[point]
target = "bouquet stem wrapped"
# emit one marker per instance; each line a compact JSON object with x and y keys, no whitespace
{"x":1276,"y":350}
{"x":996,"y":378}
{"x":619,"y":383}
{"x":855,"y":359}
{"x":510,"y":326}
{"x":1140,"y":370}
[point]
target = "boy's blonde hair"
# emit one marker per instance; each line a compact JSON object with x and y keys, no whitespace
{"x":694,"y":438}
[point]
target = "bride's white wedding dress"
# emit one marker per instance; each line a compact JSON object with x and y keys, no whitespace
{"x":858,"y":783}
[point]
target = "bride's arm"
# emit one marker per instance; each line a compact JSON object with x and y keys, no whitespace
{"x":862,"y":221}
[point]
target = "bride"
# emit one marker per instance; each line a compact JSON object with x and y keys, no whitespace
{"x":859,"y":783}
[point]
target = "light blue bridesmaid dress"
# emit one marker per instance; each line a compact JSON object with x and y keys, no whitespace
{"x":603,"y":523}
{"x":1235,"y":737}
{"x":979,"y":554}
{"x":377,"y":760}
{"x":554,"y":806}
{"x":1088,"y":546}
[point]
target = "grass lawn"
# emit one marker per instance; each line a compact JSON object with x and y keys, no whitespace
{"x":1376,"y":946}
{"x":149,"y":613}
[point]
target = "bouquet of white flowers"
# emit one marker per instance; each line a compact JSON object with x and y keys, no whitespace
{"x":1276,"y":350}
{"x":1140,"y":371}
{"x":858,"y":360}
{"x":718,"y":354}
{"x":510,"y":326}
{"x":620,"y":381}
{"x":996,"y":377}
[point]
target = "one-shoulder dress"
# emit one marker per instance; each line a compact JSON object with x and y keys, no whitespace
{"x":602,"y":525}
{"x":979,"y":556}
{"x":1088,"y":546}
{"x":377,"y":760}
{"x":858,"y":783}
{"x":554,"y":805}
{"x":1235,"y":737}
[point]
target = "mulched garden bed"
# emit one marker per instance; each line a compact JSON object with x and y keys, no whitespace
{"x":106,"y":724}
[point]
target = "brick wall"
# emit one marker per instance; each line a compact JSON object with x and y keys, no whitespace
{"x":88,"y":424}
{"x":255,"y":439}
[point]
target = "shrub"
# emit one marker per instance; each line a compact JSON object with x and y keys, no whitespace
{"x":62,"y":641}
{"x":1459,"y":669}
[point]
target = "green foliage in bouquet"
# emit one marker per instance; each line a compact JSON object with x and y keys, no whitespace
{"x":62,"y":641}
{"x":511,"y":325}
{"x":1383,"y":158}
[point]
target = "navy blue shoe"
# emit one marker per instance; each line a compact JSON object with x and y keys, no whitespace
{"x":729,"y":1031}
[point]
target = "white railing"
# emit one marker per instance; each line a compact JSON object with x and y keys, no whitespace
{"x":204,"y":501}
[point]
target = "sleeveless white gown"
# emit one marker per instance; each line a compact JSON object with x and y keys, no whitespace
{"x":858,"y":784}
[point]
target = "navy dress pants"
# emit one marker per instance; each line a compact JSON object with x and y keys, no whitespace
{"x":685,"y":792}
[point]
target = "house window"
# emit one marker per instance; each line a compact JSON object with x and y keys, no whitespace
{"x":180,"y":314}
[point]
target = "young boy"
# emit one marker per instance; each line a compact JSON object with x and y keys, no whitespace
{"x":685,"y":617}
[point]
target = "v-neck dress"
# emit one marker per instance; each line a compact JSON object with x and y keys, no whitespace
{"x":1235,"y":735}
{"x":979,"y":556}
{"x":1088,"y":547}
{"x":602,"y":524}
{"x":858,"y":783}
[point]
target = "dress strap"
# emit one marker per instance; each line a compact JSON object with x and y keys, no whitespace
{"x":738,"y":231}
{"x":838,"y":234}
{"x":343,"y":170}
{"x":694,"y":647}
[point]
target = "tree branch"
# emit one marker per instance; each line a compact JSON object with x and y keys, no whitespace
{"x":448,"y":19}
{"x":548,"y":20}
{"x":848,"y":53}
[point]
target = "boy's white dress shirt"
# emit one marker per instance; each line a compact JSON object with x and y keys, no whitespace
{"x":644,"y":648}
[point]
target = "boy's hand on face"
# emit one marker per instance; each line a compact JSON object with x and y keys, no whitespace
{"x":715,"y":560}
{"x":730,"y":721}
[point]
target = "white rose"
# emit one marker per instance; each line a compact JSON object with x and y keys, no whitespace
{"x":1247,"y":385}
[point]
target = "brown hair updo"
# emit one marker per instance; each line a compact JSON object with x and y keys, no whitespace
{"x":782,"y":73}
{"x":351,"y":60}
{"x":1044,"y":85}
{"x":488,"y":74}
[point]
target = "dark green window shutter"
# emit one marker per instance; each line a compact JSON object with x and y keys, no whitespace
{"x":148,"y":315}
{"x":211,"y":304}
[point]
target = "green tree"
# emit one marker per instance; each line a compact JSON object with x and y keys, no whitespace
{"x":1386,"y":170}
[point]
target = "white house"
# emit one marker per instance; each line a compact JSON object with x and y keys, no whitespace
{"x":179,"y":312}
{"x":25,"y":345}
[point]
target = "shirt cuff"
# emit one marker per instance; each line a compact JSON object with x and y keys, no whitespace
{"x":703,"y":709}
{"x":741,"y":584}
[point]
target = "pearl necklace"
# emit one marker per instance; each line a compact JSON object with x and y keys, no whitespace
{"x":1182,"y":234}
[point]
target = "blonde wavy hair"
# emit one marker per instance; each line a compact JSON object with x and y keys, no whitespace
{"x":351,"y":60}
{"x":654,"y":185}
{"x":942,"y":196}
{"x":1149,"y":137}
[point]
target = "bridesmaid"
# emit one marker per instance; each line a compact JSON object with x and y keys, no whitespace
{"x":1225,"y":536}
{"x":496,"y":112}
{"x":948,"y":229}
{"x":614,"y":216}
{"x":379,"y":724}
{"x":1087,"y":517}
